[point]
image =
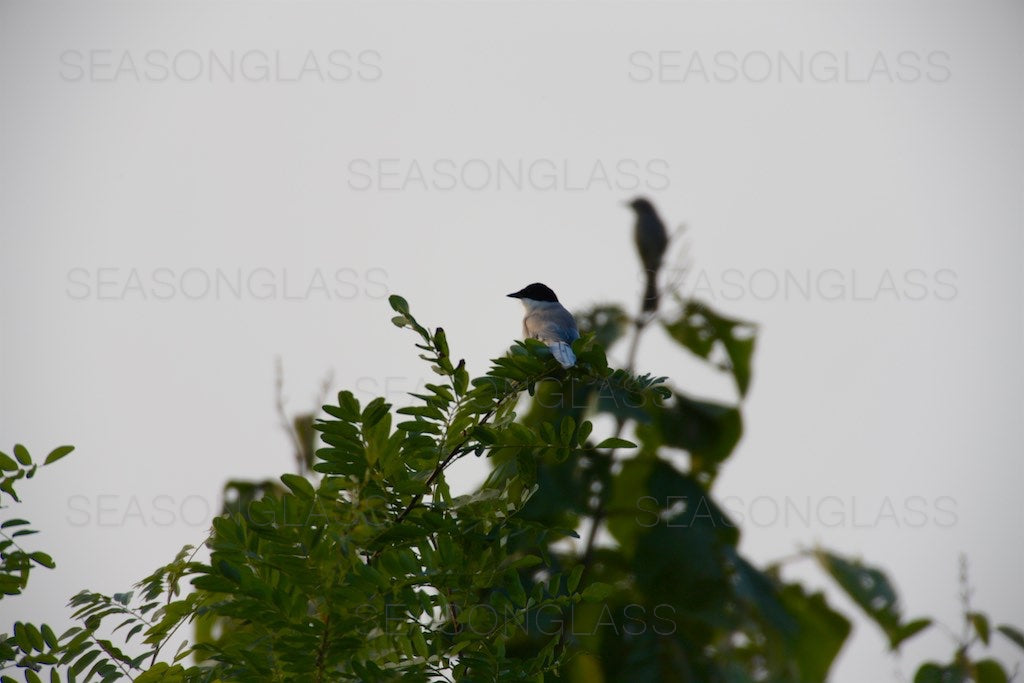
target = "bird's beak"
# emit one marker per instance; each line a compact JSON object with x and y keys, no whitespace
{"x":514,"y":295}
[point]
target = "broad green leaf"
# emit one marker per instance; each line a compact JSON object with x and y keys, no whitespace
{"x":820,"y":635}
{"x":701,"y":330}
{"x":989,"y":671}
{"x":43,"y":559}
{"x":614,"y":442}
{"x":586,"y":427}
{"x":21,"y":636}
{"x":708,"y":431}
{"x":461,"y":378}
{"x":873,"y":592}
{"x":441,"y":342}
{"x":631,"y":508}
{"x":36,"y":637}
{"x":58,"y":453}
{"x":935,"y":673}
{"x":7,"y":463}
{"x":574,"y":578}
{"x":419,"y":427}
{"x":300,"y":486}
{"x":399,"y":304}
{"x":912,"y":628}
{"x":980,"y":623}
{"x":21,"y":453}
{"x":566,"y":430}
{"x":1012,"y":633}
{"x":597,"y":591}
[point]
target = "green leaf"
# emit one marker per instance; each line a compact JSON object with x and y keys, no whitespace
{"x":374,"y":412}
{"x":524,"y":562}
{"x":1012,"y":633}
{"x":300,"y":486}
{"x":586,"y":427}
{"x":428,"y":412}
{"x":21,"y":453}
{"x":13,"y":522}
{"x":597,"y":591}
{"x":419,"y":427}
{"x":632,"y":508}
{"x":7,"y":486}
{"x":514,"y":587}
{"x":912,"y":628}
{"x":399,"y":304}
{"x":930,"y":672}
{"x":419,"y":643}
{"x":7,"y":463}
{"x":58,"y":453}
{"x":349,"y":406}
{"x":820,"y":634}
{"x":614,"y":442}
{"x":989,"y":671}
{"x":709,"y":431}
{"x":701,"y":330}
{"x":49,"y":636}
{"x":21,"y":636}
{"x":84,"y":661}
{"x":461,"y":378}
{"x":35,"y":637}
{"x":43,"y":559}
{"x":566,"y":430}
{"x":441,"y":342}
{"x":574,"y":578}
{"x":980,"y":623}
{"x":873,"y":592}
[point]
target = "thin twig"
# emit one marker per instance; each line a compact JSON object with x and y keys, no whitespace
{"x":286,"y":423}
{"x":170,"y":633}
{"x":459,"y":449}
{"x":600,"y":511}
{"x":322,"y":650}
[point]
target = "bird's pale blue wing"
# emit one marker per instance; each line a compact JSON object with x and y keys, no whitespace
{"x":553,"y":324}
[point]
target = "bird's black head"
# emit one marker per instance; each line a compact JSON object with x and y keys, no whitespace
{"x":641,"y":205}
{"x":536,"y":291}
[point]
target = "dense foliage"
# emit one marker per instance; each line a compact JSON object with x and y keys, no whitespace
{"x":588,"y":557}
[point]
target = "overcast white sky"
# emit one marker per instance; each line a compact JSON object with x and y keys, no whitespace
{"x":188,"y":191}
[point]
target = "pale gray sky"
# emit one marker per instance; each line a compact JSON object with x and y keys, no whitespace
{"x":188,"y":191}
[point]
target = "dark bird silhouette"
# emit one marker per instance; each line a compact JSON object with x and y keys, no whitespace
{"x":651,"y":241}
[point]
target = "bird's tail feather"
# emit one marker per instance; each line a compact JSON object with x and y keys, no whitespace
{"x":562,"y":353}
{"x":651,"y":293}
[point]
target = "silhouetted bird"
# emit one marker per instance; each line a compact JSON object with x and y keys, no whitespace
{"x":651,"y":242}
{"x":548,"y":321}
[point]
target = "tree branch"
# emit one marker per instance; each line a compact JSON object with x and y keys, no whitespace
{"x":599,"y":511}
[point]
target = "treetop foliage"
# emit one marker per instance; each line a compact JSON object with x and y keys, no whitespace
{"x":583,"y":556}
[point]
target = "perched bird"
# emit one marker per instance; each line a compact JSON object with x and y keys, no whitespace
{"x":548,"y":321}
{"x":651,"y":242}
